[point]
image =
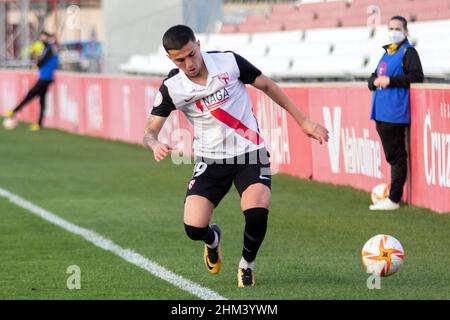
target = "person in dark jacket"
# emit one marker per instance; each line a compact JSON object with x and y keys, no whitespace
{"x":398,"y":68}
{"x":47,"y":64}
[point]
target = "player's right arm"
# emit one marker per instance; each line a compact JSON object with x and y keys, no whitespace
{"x":162,"y":108}
{"x":152,"y":129}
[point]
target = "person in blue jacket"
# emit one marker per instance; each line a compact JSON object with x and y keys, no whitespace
{"x":47,"y":64}
{"x":398,"y":68}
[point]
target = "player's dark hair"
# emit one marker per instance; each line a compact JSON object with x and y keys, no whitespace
{"x":402,"y":19}
{"x":177,"y":37}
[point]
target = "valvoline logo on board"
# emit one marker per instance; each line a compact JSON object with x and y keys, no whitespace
{"x":382,"y":69}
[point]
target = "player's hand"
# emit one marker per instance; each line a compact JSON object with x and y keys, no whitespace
{"x":315,"y":131}
{"x":161,"y":151}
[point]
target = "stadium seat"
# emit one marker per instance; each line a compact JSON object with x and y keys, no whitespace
{"x":291,"y":17}
{"x":432,"y":44}
{"x":370,"y":64}
{"x":434,"y":55}
{"x":203,"y":38}
{"x":329,"y":52}
{"x":275,"y":68}
{"x":380,"y":35}
{"x":154,"y":64}
{"x":227,"y":41}
{"x":332,"y":66}
{"x":299,"y":24}
{"x":254,"y":19}
{"x":252,"y":51}
{"x":261,"y":27}
{"x":310,"y":24}
{"x":432,"y":15}
{"x":335,"y":35}
{"x":159,"y":65}
{"x":425,"y":29}
{"x":275,"y":38}
{"x":436,"y":64}
{"x":135,"y":64}
{"x":299,"y":50}
{"x":229,"y":28}
{"x":284,"y":8}
{"x":323,"y":6}
{"x":343,"y":13}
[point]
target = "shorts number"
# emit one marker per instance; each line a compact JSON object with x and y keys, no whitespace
{"x":199,"y":169}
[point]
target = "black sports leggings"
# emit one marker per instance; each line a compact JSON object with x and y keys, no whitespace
{"x":39,"y":89}
{"x":394,"y":144}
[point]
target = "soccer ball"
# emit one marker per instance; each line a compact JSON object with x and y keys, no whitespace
{"x":380,"y":192}
{"x":10,"y":123}
{"x":382,"y":255}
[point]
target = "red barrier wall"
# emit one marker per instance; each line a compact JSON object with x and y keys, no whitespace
{"x":354,"y":155}
{"x":430,"y":148}
{"x":13,"y":87}
{"x":117,"y":108}
{"x":290,"y":149}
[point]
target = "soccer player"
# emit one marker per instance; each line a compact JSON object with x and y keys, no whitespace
{"x":209,"y":88}
{"x":47,"y":64}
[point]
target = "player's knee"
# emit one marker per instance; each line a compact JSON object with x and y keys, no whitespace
{"x":195,"y":233}
{"x":256,"y":196}
{"x":263,"y":199}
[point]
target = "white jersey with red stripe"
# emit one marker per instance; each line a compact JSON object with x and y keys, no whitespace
{"x":221,"y":112}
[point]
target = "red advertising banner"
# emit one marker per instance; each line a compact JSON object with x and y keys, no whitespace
{"x":430,"y":149}
{"x":289,"y":147}
{"x":117,"y":108}
{"x":354,"y":154}
{"x":70,"y":108}
{"x":14,"y":85}
{"x":96,"y":101}
{"x":126,"y":109}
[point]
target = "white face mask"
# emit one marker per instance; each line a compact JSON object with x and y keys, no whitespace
{"x":396,"y":36}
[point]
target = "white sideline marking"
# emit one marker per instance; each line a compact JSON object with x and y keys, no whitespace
{"x":108,"y":245}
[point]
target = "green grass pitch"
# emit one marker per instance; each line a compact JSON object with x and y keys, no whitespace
{"x":312,"y":248}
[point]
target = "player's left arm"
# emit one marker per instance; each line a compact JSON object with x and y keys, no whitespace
{"x":311,"y":128}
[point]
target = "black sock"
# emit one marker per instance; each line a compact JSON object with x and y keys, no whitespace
{"x":205,"y":234}
{"x":255,"y":231}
